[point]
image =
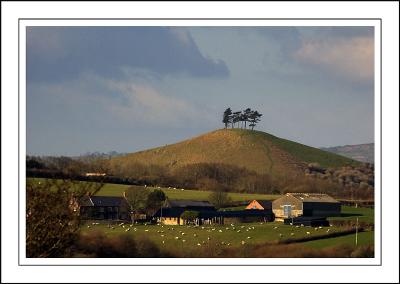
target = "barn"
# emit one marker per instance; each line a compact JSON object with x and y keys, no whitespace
{"x":305,"y":204}
{"x":170,"y":213}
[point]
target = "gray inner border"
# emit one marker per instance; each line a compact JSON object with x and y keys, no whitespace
{"x":222,"y":19}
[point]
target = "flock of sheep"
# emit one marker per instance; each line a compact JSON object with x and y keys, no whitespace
{"x":178,"y":235}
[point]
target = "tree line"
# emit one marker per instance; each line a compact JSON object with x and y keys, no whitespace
{"x":241,"y":119}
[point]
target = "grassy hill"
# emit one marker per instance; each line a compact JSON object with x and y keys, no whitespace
{"x":254,"y":150}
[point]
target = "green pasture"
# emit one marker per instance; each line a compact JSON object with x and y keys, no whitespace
{"x":363,"y":238}
{"x":190,"y":237}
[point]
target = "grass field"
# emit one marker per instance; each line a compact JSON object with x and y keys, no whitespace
{"x":118,"y":189}
{"x":363,"y":238}
{"x":184,"y":238}
{"x":351,"y":213}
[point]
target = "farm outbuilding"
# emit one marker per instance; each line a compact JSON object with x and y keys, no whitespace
{"x":170,"y":213}
{"x":305,"y":204}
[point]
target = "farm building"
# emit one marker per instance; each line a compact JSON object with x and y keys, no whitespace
{"x":305,"y":204}
{"x":260,"y":205}
{"x":170,"y":213}
{"x":246,"y":216}
{"x":103,"y":208}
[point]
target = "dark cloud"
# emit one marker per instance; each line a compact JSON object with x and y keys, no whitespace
{"x":59,"y":53}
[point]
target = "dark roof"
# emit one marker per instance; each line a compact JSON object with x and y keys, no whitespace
{"x":169,"y":212}
{"x":313,"y":197}
{"x":266,"y":204}
{"x":245,"y":213}
{"x":102,"y":201}
{"x":188,"y":203}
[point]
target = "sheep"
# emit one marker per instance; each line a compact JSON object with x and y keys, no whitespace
{"x":308,"y":233}
{"x":162,"y":236}
{"x":208,"y":238}
{"x":146,"y":230}
{"x":203,"y":242}
{"x":328,"y":230}
{"x":280,"y":235}
{"x":222,"y":243}
{"x":127,"y":230}
{"x":292,"y":234}
{"x":243,"y":242}
{"x":199,"y":244}
{"x":238,"y":231}
{"x":183,"y":234}
{"x":316,"y":229}
{"x":249,"y":237}
{"x":275,"y":228}
{"x":112,"y":228}
{"x":202,"y":228}
{"x":194,"y":235}
{"x":176,"y":238}
{"x":220,"y":231}
{"x":319,"y":227}
{"x":163,"y":242}
{"x":130,"y":225}
{"x":183,"y":241}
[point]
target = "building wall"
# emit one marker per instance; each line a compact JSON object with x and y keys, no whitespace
{"x":170,"y":221}
{"x":278,"y":205}
{"x":321,"y":209}
{"x":254,"y":205}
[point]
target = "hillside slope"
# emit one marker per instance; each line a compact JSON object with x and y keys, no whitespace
{"x":254,"y":150}
{"x":361,"y":152}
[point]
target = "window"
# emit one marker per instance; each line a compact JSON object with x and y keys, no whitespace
{"x":287,"y":210}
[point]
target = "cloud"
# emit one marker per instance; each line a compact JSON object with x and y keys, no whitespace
{"x":62,"y":53}
{"x":353,"y":57}
{"x":145,"y":104}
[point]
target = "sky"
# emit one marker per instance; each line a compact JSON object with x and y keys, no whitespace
{"x":127,"y":89}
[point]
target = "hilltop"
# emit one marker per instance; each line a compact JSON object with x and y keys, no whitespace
{"x":255,"y":151}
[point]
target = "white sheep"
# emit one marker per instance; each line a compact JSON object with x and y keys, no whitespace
{"x":308,"y":233}
{"x":243,"y":242}
{"x":220,"y":231}
{"x":249,"y":237}
{"x":199,"y":244}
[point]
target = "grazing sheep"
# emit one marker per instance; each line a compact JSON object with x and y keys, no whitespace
{"x":202,"y":228}
{"x":275,"y":228}
{"x":297,"y":226}
{"x":130,"y":225}
{"x":238,"y":231}
{"x":249,"y":237}
{"x":176,"y":238}
{"x":183,"y":241}
{"x":183,"y":234}
{"x":127,"y":230}
{"x":203,"y":242}
{"x":308,"y":233}
{"x":292,"y":234}
{"x":194,"y":235}
{"x":146,"y":230}
{"x":302,"y":225}
{"x":328,"y":230}
{"x":243,"y":242}
{"x":319,"y":227}
{"x":316,"y":229}
{"x":222,"y":243}
{"x":199,"y":244}
{"x":88,"y":226}
{"x":220,"y":231}
{"x":208,"y":238}
{"x":163,"y":242}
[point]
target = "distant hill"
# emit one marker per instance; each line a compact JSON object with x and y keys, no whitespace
{"x":254,"y":150}
{"x":362,"y":152}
